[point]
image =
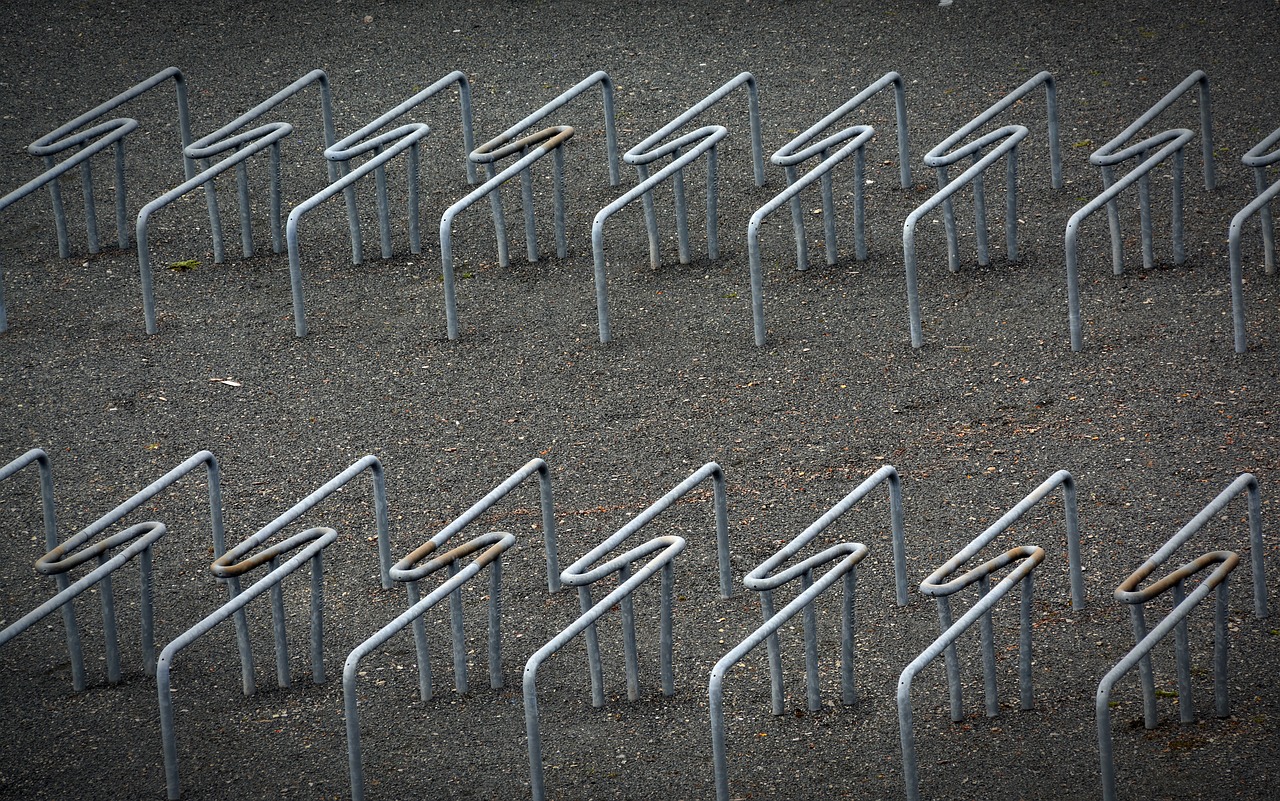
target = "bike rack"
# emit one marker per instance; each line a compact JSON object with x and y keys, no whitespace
{"x":63,"y":557}
{"x":312,"y":542}
{"x":1226,"y":561}
{"x":548,"y":140}
{"x":237,"y":561}
{"x":1128,"y":593}
{"x":1259,"y":159}
{"x":492,"y":546}
{"x":1222,"y":563}
{"x":666,"y":548}
{"x":405,"y":137}
{"x":244,"y":144}
{"x":404,"y":571}
{"x":942,"y":156}
{"x":1111,"y":154}
{"x":799,"y":150}
{"x":39,"y":458}
{"x":104,"y":135}
{"x":499,"y":148}
{"x":847,"y":555}
{"x":937,"y":586}
{"x":649,"y":151}
{"x":1171,"y":143}
{"x":580,"y":574}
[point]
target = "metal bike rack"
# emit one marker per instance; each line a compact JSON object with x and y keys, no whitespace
{"x":1171,"y":143}
{"x":367,"y":140}
{"x":498,"y":148}
{"x":703,"y":140}
{"x":851,"y":142}
{"x":404,"y":571}
{"x":938,"y":587}
{"x":64,"y":556}
{"x":846,"y":555}
{"x":582,"y":575}
{"x":491,"y":547}
{"x":547,"y":141}
{"x":91,"y":142}
{"x":242,"y":146}
{"x":38,"y":457}
{"x":237,"y":561}
{"x":1259,"y":159}
{"x":666,"y":549}
{"x":311,"y":542}
{"x":1128,"y":593}
{"x":1006,"y":141}
{"x":1221,"y":563}
{"x":942,"y":156}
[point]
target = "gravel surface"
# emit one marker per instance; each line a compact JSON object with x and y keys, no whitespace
{"x":1153,"y":418}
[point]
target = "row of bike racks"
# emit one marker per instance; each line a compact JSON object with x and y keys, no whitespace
{"x":632,"y":568}
{"x":658,"y":158}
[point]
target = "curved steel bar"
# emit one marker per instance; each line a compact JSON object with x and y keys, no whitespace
{"x":494,"y":149}
{"x":1115,"y":152}
{"x":406,"y":137}
{"x":582,"y":575}
{"x":226,"y":138}
{"x":61,"y":557}
{"x":258,"y":139}
{"x":938,"y":587}
{"x":1259,"y":160}
{"x":405,"y":571}
{"x":649,"y":151}
{"x":1008,"y":138}
{"x":493,"y":545}
{"x":849,"y":555}
{"x":312,"y":541}
{"x":498,"y":148}
{"x":355,"y":144}
{"x":942,"y":156}
{"x":799,"y":150}
{"x":112,"y":133}
{"x":38,"y":457}
{"x":1176,"y":140}
{"x":704,"y":140}
{"x":548,"y":140}
{"x":65,"y":137}
{"x":1128,"y":592}
{"x":141,"y":537}
{"x":533,"y":467}
{"x":668,"y":547}
{"x":229,"y":563}
{"x":1226,"y":562}
{"x":761,"y":581}
{"x":1029,"y":558}
{"x":855,"y":140}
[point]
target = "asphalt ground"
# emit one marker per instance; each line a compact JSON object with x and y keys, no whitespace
{"x":1153,"y":417}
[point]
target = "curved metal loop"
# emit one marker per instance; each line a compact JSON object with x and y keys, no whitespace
{"x":534,"y":467}
{"x":646,"y":153}
{"x":1115,"y":152}
{"x":1244,"y":484}
{"x":940,"y":157}
{"x":937,"y":585}
{"x":581,"y":573}
{"x":494,"y":149}
{"x":491,"y":546}
{"x":762,"y":577}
